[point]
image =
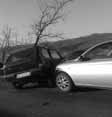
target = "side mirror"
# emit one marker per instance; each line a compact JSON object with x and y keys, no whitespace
{"x":83,"y":58}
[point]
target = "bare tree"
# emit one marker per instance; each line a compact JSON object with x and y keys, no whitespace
{"x":15,"y":41}
{"x":51,"y":13}
{"x":7,"y":31}
{"x":6,"y":41}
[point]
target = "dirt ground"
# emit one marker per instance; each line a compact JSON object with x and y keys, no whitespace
{"x":49,"y":102}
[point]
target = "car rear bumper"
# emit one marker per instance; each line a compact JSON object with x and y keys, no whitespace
{"x":19,"y":77}
{"x":26,"y":76}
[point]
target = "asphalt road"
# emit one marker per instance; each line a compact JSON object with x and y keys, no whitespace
{"x":49,"y":102}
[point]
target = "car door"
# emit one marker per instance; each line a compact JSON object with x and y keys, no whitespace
{"x":49,"y":59}
{"x":95,"y":68}
{"x":44,"y":65}
{"x":56,"y":58}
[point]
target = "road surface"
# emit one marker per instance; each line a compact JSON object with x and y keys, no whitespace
{"x":49,"y":102}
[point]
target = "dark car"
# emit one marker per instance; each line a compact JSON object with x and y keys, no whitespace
{"x":32,"y":64}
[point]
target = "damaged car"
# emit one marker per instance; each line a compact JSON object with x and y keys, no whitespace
{"x":30,"y":65}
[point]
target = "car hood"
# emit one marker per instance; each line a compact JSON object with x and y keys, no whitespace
{"x":68,"y":63}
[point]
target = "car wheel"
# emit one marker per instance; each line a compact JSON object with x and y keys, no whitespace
{"x":64,"y":82}
{"x":17,"y":85}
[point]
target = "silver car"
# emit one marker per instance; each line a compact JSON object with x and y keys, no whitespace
{"x":93,"y":68}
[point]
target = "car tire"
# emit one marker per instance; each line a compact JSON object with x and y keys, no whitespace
{"x":17,"y":85}
{"x":64,"y":82}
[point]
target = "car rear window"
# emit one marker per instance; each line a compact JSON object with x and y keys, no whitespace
{"x":25,"y":54}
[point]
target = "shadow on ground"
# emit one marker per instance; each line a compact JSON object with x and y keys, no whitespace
{"x":87,"y":89}
{"x":36,"y":85}
{"x":76,"y":89}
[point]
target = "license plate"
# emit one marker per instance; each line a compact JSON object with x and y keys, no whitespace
{"x":23,"y":75}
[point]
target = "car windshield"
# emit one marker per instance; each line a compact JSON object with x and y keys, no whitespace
{"x":100,"y":52}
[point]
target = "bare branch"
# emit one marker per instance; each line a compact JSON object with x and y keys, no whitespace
{"x":51,"y":35}
{"x":51,"y":14}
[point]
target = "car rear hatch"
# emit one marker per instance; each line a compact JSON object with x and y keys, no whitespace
{"x":20,"y":61}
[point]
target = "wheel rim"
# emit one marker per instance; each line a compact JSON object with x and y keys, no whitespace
{"x":63,"y":82}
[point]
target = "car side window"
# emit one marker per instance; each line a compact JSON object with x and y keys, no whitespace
{"x":54,"y":54}
{"x":100,"y":52}
{"x":45,"y":53}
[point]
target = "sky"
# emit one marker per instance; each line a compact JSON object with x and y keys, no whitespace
{"x":84,"y":17}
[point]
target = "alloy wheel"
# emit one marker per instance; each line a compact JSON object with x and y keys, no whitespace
{"x":63,"y":82}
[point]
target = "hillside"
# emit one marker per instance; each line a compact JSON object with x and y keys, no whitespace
{"x":80,"y":44}
{"x":83,"y":42}
{"x":73,"y":46}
